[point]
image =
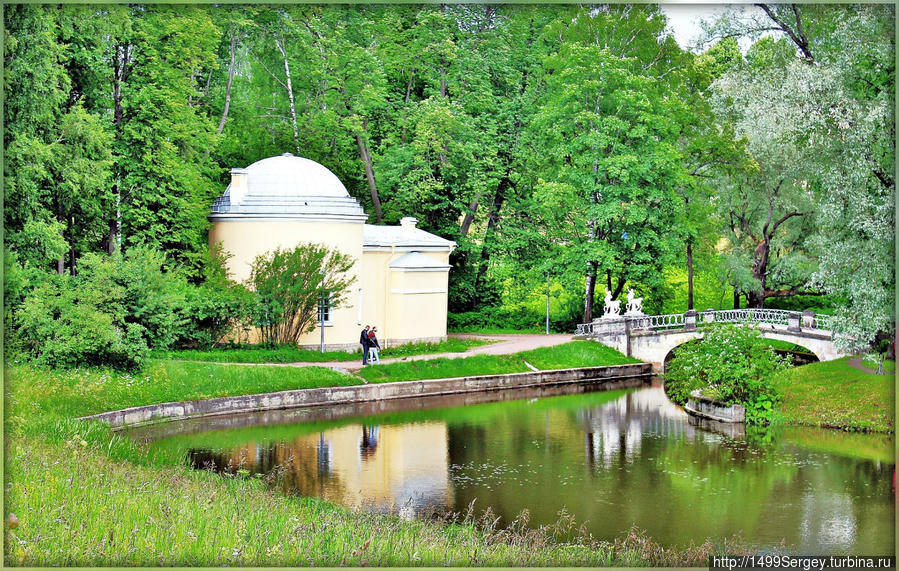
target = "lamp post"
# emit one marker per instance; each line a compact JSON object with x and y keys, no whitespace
{"x":547,"y":302}
{"x":321,"y":313}
{"x":321,"y":319}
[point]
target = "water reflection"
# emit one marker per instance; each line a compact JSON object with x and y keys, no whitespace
{"x":611,"y":459}
{"x":385,"y":468}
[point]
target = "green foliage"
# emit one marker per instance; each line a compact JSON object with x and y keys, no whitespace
{"x":214,"y":308}
{"x":67,"y":322}
{"x":290,"y":285}
{"x":110,"y":313}
{"x":732,"y":360}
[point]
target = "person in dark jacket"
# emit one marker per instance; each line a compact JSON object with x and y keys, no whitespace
{"x":363,"y":340}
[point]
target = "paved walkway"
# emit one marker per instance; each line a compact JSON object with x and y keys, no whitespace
{"x":504,"y":345}
{"x":857,"y":364}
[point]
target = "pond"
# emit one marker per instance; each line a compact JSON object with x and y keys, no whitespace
{"x":610,"y":459}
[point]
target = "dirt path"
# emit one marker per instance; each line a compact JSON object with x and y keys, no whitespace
{"x":857,"y":364}
{"x":504,"y":345}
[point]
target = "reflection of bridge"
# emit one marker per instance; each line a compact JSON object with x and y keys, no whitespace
{"x":651,"y":337}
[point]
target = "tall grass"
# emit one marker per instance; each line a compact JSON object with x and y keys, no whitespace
{"x":78,"y":392}
{"x":76,"y":507}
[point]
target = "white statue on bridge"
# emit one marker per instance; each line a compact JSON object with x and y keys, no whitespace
{"x":634,"y":304}
{"x":612,"y":308}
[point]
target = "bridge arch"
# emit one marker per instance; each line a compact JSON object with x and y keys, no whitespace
{"x":652,"y":337}
{"x":795,"y":341}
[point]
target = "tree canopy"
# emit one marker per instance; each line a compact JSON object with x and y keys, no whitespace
{"x":575,"y":144}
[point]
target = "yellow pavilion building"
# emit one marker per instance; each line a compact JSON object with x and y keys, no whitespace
{"x":401,"y":272}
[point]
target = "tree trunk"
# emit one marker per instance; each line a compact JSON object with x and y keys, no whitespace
{"x":120,"y":67}
{"x":492,"y":219}
{"x":61,"y":262}
{"x":689,"y":275}
{"x":760,"y":273}
{"x":289,"y":88}
{"x":736,"y":298}
{"x":224,"y":118}
{"x":469,"y":216}
{"x":589,"y":289}
{"x":71,"y":224}
{"x":365,"y":155}
{"x":406,"y":104}
{"x":619,"y":288}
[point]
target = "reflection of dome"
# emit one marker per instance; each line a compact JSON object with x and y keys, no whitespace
{"x":286,"y":187}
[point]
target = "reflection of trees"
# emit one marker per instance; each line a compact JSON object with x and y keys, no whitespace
{"x":635,"y":459}
{"x":639,"y":460}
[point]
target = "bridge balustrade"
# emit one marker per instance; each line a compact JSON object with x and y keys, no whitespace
{"x":664,"y":321}
{"x":770,"y":316}
{"x":791,"y":319}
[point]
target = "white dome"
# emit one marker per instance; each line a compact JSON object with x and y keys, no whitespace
{"x":288,"y":175}
{"x":286,"y":187}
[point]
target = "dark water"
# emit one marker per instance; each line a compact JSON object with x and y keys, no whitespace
{"x":612,"y":459}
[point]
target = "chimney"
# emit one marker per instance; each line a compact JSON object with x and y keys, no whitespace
{"x":238,"y":188}
{"x":408,"y":224}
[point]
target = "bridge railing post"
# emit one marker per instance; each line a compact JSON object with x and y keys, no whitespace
{"x":708,"y":316}
{"x":690,"y":319}
{"x":793,"y":322}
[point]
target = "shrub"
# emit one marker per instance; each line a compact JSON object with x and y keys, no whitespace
{"x":215,"y":307}
{"x":67,"y":322}
{"x":110,"y":313}
{"x":736,"y":362}
{"x":153,"y":297}
{"x":289,"y":285}
{"x":514,"y":318}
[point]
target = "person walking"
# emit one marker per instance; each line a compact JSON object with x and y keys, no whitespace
{"x":373,"y":346}
{"x":363,"y":340}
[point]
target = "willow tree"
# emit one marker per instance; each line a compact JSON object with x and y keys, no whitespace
{"x":829,"y":99}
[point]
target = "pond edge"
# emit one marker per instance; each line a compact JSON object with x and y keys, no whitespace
{"x":612,"y":376}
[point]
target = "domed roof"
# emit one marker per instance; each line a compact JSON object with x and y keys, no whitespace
{"x":287,"y":175}
{"x":286,"y":187}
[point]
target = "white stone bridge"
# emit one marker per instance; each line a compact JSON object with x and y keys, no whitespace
{"x":651,"y":338}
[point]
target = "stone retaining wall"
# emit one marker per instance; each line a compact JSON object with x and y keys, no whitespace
{"x":705,"y":407}
{"x":617,"y":376}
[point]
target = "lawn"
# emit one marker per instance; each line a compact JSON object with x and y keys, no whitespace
{"x":567,"y":355}
{"x":832,"y":394}
{"x":292,"y":354}
{"x":80,"y":392}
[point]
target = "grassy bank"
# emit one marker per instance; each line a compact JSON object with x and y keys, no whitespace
{"x":291,"y":354}
{"x":567,"y":355}
{"x":75,"y":506}
{"x":833,"y":394}
{"x":61,"y":394}
{"x":85,"y":496}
